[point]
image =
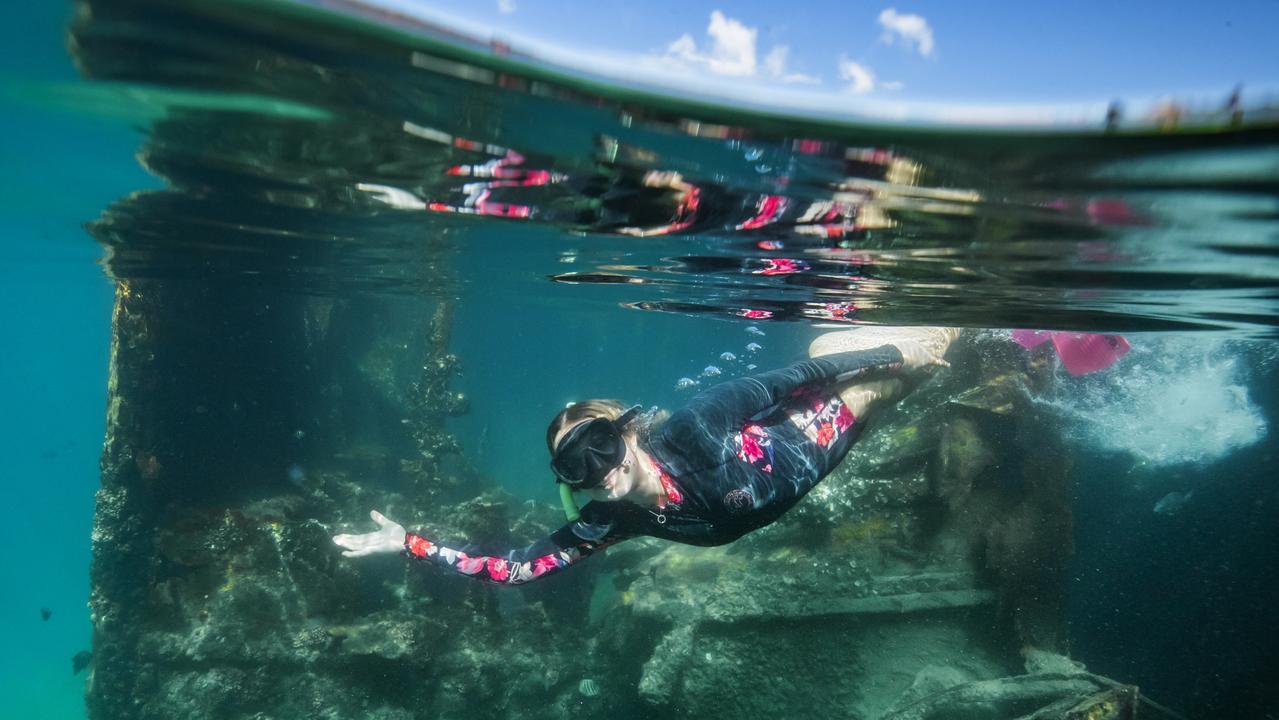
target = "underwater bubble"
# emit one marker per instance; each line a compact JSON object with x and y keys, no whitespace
{"x":685,"y":383}
{"x":753,"y":330}
{"x":727,"y":356}
{"x":754,"y":347}
{"x":1173,"y":502}
{"x":1171,"y":401}
{"x":299,"y":434}
{"x":588,"y":687}
{"x":711,"y":371}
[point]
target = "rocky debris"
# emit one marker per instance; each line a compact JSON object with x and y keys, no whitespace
{"x":1054,"y":687}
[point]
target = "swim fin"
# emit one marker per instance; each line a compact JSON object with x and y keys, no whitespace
{"x":1031,"y":339}
{"x":1080,"y":353}
{"x":1083,"y":353}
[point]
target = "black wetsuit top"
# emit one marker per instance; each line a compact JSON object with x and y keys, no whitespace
{"x":734,"y":459}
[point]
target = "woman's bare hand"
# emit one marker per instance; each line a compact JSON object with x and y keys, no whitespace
{"x":389,"y":539}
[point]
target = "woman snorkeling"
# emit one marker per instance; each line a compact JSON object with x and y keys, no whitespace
{"x":734,"y":459}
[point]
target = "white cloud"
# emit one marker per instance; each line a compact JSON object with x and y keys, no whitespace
{"x":684,"y":47}
{"x":863,"y":80}
{"x":893,"y":85}
{"x":912,"y":29}
{"x":732,"y":47}
{"x":801,"y":79}
{"x":732,"y":52}
{"x":775,"y":66}
{"x":654,"y":70}
{"x":775,"y":60}
{"x":506,"y":7}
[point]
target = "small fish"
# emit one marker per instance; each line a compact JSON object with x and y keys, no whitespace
{"x":81,"y":661}
{"x":711,"y":371}
{"x":1173,"y":502}
{"x":754,"y":347}
{"x":751,"y":366}
{"x":727,"y":356}
{"x":685,"y":383}
{"x":45,"y":613}
{"x":753,"y":330}
{"x":588,"y":687}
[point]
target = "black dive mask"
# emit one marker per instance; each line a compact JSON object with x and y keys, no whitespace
{"x":590,"y":451}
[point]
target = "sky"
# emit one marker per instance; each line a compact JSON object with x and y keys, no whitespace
{"x":912,"y":58}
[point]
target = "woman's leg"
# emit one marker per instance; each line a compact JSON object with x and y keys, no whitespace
{"x":862,"y":397}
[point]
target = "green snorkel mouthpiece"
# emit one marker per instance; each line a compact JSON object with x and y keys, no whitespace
{"x":571,"y":510}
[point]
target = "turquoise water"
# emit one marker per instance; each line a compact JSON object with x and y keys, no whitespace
{"x":294,"y":157}
{"x":60,"y":169}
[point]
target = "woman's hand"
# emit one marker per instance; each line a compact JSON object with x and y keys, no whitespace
{"x":387,"y":540}
{"x":915,"y":356}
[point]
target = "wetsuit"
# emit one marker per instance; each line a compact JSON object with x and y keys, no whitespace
{"x":734,"y":459}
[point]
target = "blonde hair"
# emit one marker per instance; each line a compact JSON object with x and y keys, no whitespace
{"x":641,"y":425}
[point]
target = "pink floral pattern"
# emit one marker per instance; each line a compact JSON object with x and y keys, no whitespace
{"x":547,"y":563}
{"x":469,"y":565}
{"x":497,"y":569}
{"x":823,"y":419}
{"x":420,"y":546}
{"x":673,"y":495}
{"x":781,"y":266}
{"x":754,"y":446}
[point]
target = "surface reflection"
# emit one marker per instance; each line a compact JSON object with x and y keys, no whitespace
{"x":411,"y":150}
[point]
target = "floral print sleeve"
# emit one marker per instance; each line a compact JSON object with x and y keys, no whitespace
{"x":565,"y":547}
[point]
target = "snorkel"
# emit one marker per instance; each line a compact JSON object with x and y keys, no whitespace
{"x":571,"y":510}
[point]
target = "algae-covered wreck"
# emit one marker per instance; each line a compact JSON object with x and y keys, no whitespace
{"x":923,"y":580}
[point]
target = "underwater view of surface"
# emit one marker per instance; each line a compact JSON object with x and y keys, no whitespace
{"x":271,"y":267}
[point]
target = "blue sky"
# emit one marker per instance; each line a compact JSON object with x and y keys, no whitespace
{"x":915,"y":55}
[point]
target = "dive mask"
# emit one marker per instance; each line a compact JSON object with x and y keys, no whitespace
{"x":590,"y":451}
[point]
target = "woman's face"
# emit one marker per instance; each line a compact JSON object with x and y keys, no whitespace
{"x":618,"y":483}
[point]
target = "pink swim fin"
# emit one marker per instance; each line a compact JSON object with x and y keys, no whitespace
{"x":1031,"y":339}
{"x":1083,"y":353}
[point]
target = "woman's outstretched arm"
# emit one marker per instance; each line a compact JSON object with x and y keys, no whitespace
{"x":515,"y":567}
{"x":570,"y":544}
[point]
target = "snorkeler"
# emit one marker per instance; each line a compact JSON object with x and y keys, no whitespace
{"x":733,"y":460}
